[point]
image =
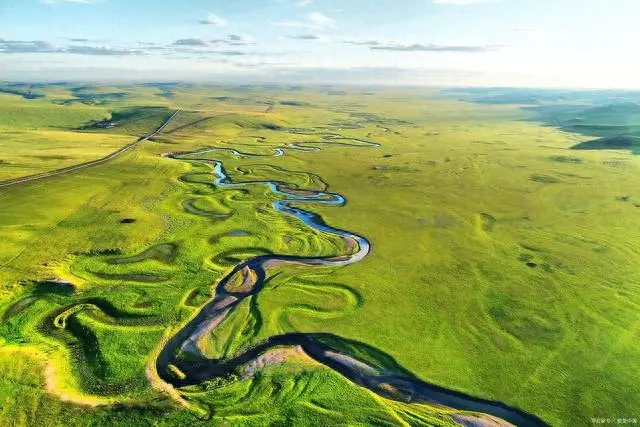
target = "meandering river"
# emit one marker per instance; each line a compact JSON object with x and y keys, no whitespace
{"x":249,"y":277}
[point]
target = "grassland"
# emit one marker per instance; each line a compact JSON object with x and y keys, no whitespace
{"x":503,"y":265}
{"x":41,"y":136}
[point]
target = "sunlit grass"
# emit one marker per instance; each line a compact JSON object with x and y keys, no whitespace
{"x":482,"y":278}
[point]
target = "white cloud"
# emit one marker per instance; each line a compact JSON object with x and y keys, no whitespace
{"x":314,"y":20}
{"x":321,"y":20}
{"x":40,"y":46}
{"x":309,"y":37}
{"x":213,"y":19}
{"x":394,"y":46}
{"x":461,"y":2}
{"x":239,"y":39}
{"x":71,"y":1}
{"x":304,"y":2}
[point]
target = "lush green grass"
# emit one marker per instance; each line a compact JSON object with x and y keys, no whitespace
{"x":502,"y":265}
{"x":39,"y":135}
{"x":27,"y":152}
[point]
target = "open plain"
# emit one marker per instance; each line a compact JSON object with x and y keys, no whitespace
{"x":261,"y":255}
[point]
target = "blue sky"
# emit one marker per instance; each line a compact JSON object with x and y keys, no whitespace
{"x":566,"y":43}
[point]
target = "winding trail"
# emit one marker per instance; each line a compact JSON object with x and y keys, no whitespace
{"x":92,"y":163}
{"x":248,"y":279}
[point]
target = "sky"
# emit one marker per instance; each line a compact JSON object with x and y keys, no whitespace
{"x":534,"y":43}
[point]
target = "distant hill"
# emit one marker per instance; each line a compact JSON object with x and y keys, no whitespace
{"x":619,"y":114}
{"x":507,"y":95}
{"x":612,"y":117}
{"x":25,"y":91}
{"x":542,"y":97}
{"x":620,"y":142}
{"x":138,"y":120}
{"x":601,"y":130}
{"x":616,"y":124}
{"x":514,"y":98}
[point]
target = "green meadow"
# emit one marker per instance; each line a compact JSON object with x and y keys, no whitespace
{"x":503,"y":260}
